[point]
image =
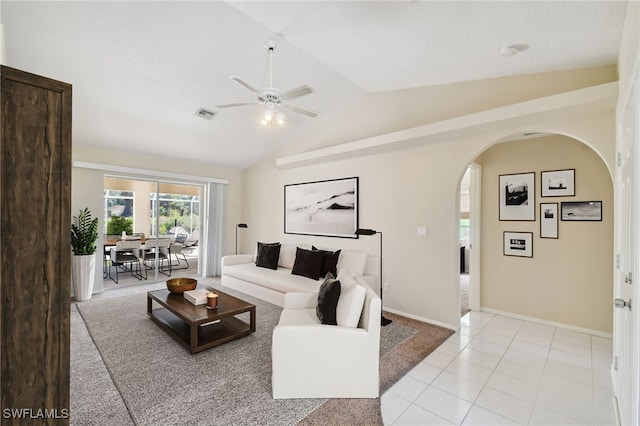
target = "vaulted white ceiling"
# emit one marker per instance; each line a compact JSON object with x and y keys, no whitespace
{"x":140,"y":70}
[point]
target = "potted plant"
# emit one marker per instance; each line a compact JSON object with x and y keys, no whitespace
{"x":84,"y":234}
{"x":117,"y":224}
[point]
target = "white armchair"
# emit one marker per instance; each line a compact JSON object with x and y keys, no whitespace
{"x":313,"y":360}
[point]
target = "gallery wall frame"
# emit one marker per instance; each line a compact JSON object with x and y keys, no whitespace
{"x":558,"y":183}
{"x":581,"y":211}
{"x":325,"y":208}
{"x":519,"y":244}
{"x":517,"y":196}
{"x":549,"y":220}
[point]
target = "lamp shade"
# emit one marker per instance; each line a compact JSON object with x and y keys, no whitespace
{"x":242,"y":225}
{"x":364,"y":231}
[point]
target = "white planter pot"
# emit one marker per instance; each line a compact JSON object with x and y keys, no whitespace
{"x":83,"y":274}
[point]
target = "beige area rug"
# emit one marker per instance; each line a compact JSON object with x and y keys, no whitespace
{"x":392,"y":368}
{"x":106,"y":389}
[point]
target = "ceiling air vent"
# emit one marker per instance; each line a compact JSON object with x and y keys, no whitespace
{"x":205,"y":113}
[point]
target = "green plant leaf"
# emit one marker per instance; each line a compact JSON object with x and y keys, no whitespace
{"x":84,"y":233}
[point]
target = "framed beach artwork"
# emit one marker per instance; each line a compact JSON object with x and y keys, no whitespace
{"x":548,"y":220}
{"x":517,"y":196}
{"x":327,"y":208}
{"x":518,"y":244}
{"x":581,"y":211}
{"x":558,"y":183}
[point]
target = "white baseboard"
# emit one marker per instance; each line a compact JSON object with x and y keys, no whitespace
{"x":456,"y":328}
{"x":551,"y":323}
{"x":421,"y":319}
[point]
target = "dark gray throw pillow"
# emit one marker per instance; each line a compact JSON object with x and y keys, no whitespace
{"x":308,"y":263}
{"x":268,"y":254}
{"x":329,"y":261}
{"x":328,"y":296}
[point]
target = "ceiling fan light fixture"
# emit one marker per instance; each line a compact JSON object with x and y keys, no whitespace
{"x":267,"y":115}
{"x":272,"y":98}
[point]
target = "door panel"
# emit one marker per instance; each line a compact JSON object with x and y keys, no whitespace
{"x":625,"y":344}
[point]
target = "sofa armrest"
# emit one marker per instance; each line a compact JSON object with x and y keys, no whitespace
{"x":237,"y":259}
{"x":324,"y":361}
{"x":289,"y":338}
{"x":299,"y":300}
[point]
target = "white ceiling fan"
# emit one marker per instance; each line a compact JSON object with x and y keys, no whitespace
{"x":274,"y":99}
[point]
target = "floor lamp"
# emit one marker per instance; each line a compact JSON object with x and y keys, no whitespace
{"x":384,"y":321}
{"x":240,"y":225}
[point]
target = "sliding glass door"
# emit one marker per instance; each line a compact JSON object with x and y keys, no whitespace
{"x":157,"y":212}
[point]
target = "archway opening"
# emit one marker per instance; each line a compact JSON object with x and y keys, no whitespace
{"x":542,"y":284}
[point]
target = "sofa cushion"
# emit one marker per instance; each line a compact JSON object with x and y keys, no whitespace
{"x":329,"y":261}
{"x":328,"y":301}
{"x":308,"y":263}
{"x":267,"y":256}
{"x":353,"y":261}
{"x":287,"y":256}
{"x":280,"y":280}
{"x":351,"y":300}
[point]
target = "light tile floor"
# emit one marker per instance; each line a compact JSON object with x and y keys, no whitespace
{"x":504,"y":371}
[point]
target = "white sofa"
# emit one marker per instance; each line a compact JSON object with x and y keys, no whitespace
{"x":240,"y":273}
{"x":314,"y":360}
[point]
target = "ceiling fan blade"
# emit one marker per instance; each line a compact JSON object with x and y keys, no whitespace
{"x":307,"y":112}
{"x":243,"y":83}
{"x":297,"y":92}
{"x":238,"y":104}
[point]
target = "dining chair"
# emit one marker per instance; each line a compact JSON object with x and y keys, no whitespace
{"x":126,"y":255}
{"x":175,"y":249}
{"x":158,"y":249}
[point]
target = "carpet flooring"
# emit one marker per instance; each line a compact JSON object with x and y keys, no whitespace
{"x":126,"y":370}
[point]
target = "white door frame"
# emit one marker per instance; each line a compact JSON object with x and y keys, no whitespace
{"x":475,"y":209}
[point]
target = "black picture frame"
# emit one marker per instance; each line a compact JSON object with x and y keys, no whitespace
{"x":581,"y":211}
{"x":517,"y":197}
{"x":558,"y":183}
{"x":327,"y":208}
{"x":549,"y":220}
{"x":519,"y":244}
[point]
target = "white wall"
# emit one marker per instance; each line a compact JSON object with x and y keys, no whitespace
{"x":86,"y":191}
{"x":629,"y":55}
{"x":414,"y":186}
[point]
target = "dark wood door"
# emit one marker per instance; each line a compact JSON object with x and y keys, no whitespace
{"x":35,"y":254}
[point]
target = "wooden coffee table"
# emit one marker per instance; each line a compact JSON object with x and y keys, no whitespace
{"x":196,"y":326}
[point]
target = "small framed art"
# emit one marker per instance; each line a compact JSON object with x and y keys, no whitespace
{"x":517,"y":196}
{"x":548,"y":220}
{"x":581,"y":211}
{"x":558,"y":183}
{"x":518,"y":244}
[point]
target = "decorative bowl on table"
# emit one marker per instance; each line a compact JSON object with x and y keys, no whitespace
{"x":180,"y":285}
